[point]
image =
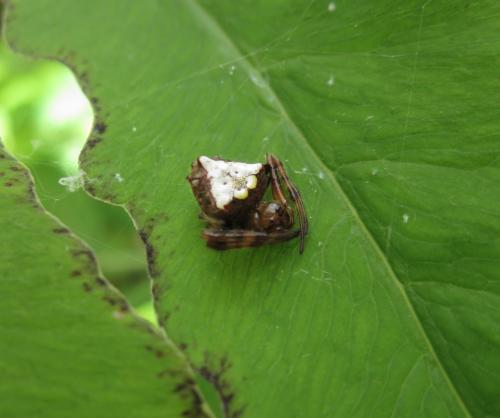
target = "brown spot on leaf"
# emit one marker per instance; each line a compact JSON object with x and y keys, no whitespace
{"x":61,"y":230}
{"x":145,"y":233}
{"x":87,"y":256}
{"x":100,"y":281}
{"x":91,"y":189}
{"x":150,"y":254}
{"x":84,"y":77}
{"x":157,"y":352}
{"x":87,"y":287}
{"x":150,"y":223}
{"x":108,"y":197}
{"x":117,"y":301}
{"x":156,"y":291}
{"x":187,"y":389}
{"x":95,"y":103}
{"x":221,"y":385}
{"x":8,"y":184}
{"x":124,"y":307}
{"x":31,"y":189}
{"x":100,"y":127}
{"x":75,"y":273}
{"x":85,"y":253}
{"x":163,"y":320}
{"x":93,"y":141}
{"x":181,"y":387}
{"x":110,"y":300}
{"x":151,"y":330}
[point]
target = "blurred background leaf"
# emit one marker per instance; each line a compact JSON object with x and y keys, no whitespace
{"x":45,"y":120}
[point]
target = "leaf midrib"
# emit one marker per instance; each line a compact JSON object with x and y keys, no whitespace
{"x":209,"y":20}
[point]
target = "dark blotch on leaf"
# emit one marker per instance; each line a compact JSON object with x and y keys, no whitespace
{"x":152,"y":222}
{"x":156,"y":291}
{"x":90,"y":189}
{"x":100,"y":127}
{"x":88,"y":256}
{"x":145,"y":233}
{"x":95,"y":103}
{"x":100,"y":281}
{"x":117,"y":301}
{"x":110,"y":300}
{"x":221,"y":386}
{"x":187,"y":389}
{"x":61,"y":230}
{"x":181,"y":387}
{"x":31,"y":191}
{"x":86,"y":253}
{"x":150,"y":254}
{"x":92,"y":142}
{"x":163,"y":320}
{"x":158,"y":353}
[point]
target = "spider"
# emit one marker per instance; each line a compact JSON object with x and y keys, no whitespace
{"x":230,"y":195}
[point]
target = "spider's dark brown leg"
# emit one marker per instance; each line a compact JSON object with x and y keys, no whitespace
{"x":227,"y":239}
{"x":212,"y":222}
{"x":275,"y":183}
{"x":278,"y":172}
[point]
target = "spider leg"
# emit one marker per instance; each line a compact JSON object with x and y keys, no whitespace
{"x":278,"y":172}
{"x":227,"y":239}
{"x":275,"y":184}
{"x":213,"y":222}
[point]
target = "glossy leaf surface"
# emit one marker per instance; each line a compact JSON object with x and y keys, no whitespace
{"x":386,"y":116}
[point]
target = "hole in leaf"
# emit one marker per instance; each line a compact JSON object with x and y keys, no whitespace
{"x":45,"y":120}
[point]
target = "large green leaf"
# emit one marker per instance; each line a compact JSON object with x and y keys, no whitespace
{"x":70,"y":344}
{"x":386,"y":115}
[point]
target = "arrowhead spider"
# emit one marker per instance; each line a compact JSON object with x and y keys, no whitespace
{"x":230,"y":195}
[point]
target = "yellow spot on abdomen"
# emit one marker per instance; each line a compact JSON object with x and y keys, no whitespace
{"x":252,"y":182}
{"x":241,"y":194}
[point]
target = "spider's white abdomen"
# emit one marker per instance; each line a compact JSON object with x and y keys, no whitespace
{"x":229,"y":179}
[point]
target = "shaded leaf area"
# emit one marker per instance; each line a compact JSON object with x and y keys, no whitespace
{"x":70,"y":343}
{"x":383,"y":115}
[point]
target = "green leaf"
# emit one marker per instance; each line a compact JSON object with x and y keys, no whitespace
{"x":386,"y":116}
{"x":70,"y":343}
{"x":44,"y":118}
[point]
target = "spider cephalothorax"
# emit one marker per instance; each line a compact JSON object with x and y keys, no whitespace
{"x":231,"y":194}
